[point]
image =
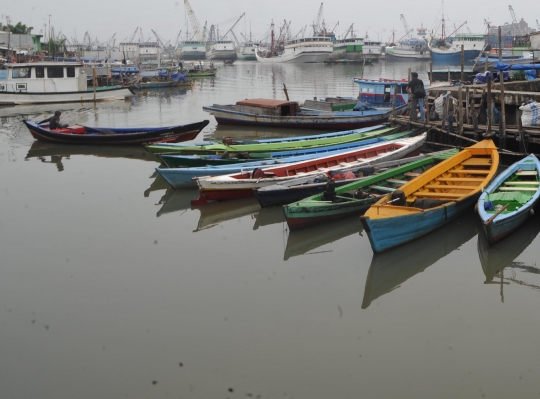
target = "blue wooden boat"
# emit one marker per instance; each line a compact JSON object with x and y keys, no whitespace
{"x":183,"y":177}
{"x":509,"y":200}
{"x":432,"y":199}
{"x":380,"y":93}
{"x":278,"y":113}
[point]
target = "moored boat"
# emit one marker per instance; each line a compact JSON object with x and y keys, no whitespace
{"x":380,"y":93}
{"x":355,"y":197}
{"x":242,"y":184}
{"x":305,"y":50}
{"x":184,"y":177}
{"x":268,"y":145}
{"x":52,"y":82}
{"x":76,"y":134}
{"x":280,"y":113}
{"x":431,"y":199}
{"x":509,"y":200}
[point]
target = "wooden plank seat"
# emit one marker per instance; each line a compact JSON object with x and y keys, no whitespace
{"x":470,"y":171}
{"x":461,"y":179}
{"x":527,"y":173}
{"x":517,"y":189}
{"x":395,"y":181}
{"x":382,"y":188}
{"x":428,"y":194}
{"x":477,"y":162}
{"x":411,"y":174}
{"x":529,"y":183}
{"x":450,"y":187}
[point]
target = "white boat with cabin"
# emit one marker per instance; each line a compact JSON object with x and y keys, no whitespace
{"x":52,"y":82}
{"x":305,"y":50}
{"x":192,"y":50}
{"x":223,"y":50}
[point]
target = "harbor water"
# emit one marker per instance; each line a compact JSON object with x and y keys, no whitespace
{"x":113,"y":286}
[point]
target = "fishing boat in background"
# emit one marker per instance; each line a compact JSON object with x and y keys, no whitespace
{"x":271,"y":145}
{"x":357,"y":196}
{"x":305,"y":50}
{"x":242,"y":184}
{"x":283,"y":113}
{"x":184,"y":177}
{"x":380,"y":93}
{"x":192,"y":50}
{"x":449,"y":53}
{"x":76,"y":134}
{"x":222,"y":50}
{"x":52,"y":82}
{"x":410,"y":49}
{"x":432,"y":199}
{"x":509,"y":200}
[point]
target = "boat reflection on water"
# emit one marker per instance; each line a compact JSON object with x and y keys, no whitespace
{"x":503,"y":255}
{"x":391,"y":268}
{"x":175,"y":200}
{"x":303,"y":241}
{"x":56,"y":153}
{"x":269,"y":215}
{"x":216,"y":212}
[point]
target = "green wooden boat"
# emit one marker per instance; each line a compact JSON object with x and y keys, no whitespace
{"x":269,"y":146}
{"x":355,"y":197}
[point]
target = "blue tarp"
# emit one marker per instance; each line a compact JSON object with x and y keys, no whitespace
{"x":501,"y":66}
{"x":179,"y":76}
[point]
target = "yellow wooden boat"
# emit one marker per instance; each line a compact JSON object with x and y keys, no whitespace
{"x":431,"y":199}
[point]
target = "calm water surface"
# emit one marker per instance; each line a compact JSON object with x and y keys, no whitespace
{"x":112,"y":286}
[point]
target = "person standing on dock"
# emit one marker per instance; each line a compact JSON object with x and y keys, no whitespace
{"x":416,"y":89}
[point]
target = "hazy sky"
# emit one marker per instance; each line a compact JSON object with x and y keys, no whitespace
{"x":103,"y":18}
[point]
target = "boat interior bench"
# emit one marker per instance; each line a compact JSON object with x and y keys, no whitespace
{"x":527,"y":173}
{"x":470,"y":171}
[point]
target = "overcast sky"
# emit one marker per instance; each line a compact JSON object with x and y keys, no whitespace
{"x":103,"y":18}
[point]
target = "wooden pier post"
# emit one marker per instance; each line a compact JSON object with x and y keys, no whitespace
{"x":502,"y":115}
{"x":462,"y":63}
{"x":460,"y":109}
{"x":431,"y":73}
{"x":286,"y":92}
{"x":489,"y":105}
{"x":467,"y":106}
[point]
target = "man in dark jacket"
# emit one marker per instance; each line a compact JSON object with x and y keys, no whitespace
{"x":54,"y":121}
{"x":416,"y":90}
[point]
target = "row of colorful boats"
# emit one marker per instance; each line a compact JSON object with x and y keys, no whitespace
{"x":376,"y":171}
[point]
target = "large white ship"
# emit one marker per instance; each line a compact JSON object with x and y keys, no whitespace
{"x":306,"y":50}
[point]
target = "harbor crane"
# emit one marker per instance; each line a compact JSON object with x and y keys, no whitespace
{"x":317,"y":24}
{"x":133,"y":36}
{"x":405,"y":25}
{"x":194,"y":23}
{"x":514,"y":20}
{"x":158,"y":39}
{"x":232,"y":27}
{"x":177,"y":41}
{"x":350,"y":30}
{"x":537,"y":25}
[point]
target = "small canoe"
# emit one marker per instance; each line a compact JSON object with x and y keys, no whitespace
{"x":432,"y":199}
{"x":509,"y":200}
{"x":239,"y":185}
{"x":184,"y":177}
{"x":76,"y":134}
{"x":269,"y":145}
{"x":355,"y":197}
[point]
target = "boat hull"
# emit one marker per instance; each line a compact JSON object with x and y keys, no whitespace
{"x":314,"y":57}
{"x":65,"y":97}
{"x":115,"y":136}
{"x":330,"y":122}
{"x":506,"y":223}
{"x":453,"y":57}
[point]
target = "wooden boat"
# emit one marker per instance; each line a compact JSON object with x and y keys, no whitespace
{"x":508,"y":201}
{"x":242,"y":184}
{"x":76,"y":134}
{"x":357,"y":196}
{"x":214,"y":213}
{"x":184,"y":177}
{"x":380,"y":93}
{"x":391,"y":269}
{"x":202,"y":73}
{"x":279,"y":113}
{"x":225,"y":158}
{"x":431,"y":199}
{"x":272,"y":145}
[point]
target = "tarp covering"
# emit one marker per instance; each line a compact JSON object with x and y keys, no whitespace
{"x":501,"y":66}
{"x":175,"y":77}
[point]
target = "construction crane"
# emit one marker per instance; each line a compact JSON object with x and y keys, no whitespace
{"x":514,"y":20}
{"x":232,"y":27}
{"x":405,"y":25}
{"x":317,"y":23}
{"x":194,"y":23}
{"x":177,"y":40}
{"x":350,"y":30}
{"x":158,"y":39}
